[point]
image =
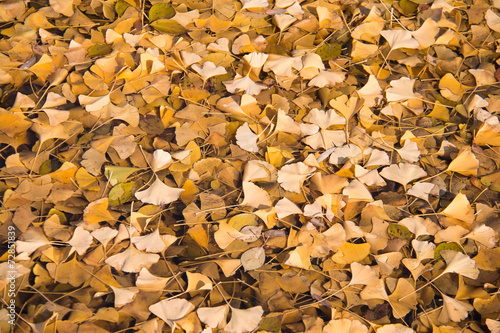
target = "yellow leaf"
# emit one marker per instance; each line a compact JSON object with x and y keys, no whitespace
{"x":350,"y":253}
{"x":97,"y":211}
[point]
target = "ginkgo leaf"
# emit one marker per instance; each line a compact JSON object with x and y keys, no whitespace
{"x":159,"y":193}
{"x":153,"y":242}
{"x":311,"y":65}
{"x":492,"y":20}
{"x":171,"y":310}
{"x":213,"y":317}
{"x":255,"y":196}
{"x":285,"y":208}
{"x":247,"y":139}
{"x":160,"y":160}
{"x":104,"y":235}
{"x":343,"y":154}
{"x":493,"y":325}
{"x":362,"y":274}
{"x":326,"y":79}
{"x":426,"y":34}
{"x":227,"y":234}
{"x":147,"y":281}
{"x":415,"y":225}
{"x":124,"y":295}
{"x":457,"y":262}
{"x":484,"y":235}
{"x":465,"y":163}
{"x":256,"y":170}
{"x":395,"y":328}
{"x":81,"y":240}
{"x":283,"y":66}
{"x":460,"y":209}
{"x":189,"y":58}
{"x":253,"y":258}
{"x":244,"y":320}
{"x":377,"y":158}
{"x":422,"y":190}
{"x":97,"y":211}
{"x":399,"y":39}
{"x":197,"y":281}
{"x":357,"y":191}
{"x":132,"y":260}
{"x":345,"y":326}
{"x":56,"y":116}
{"x":423,"y":249}
{"x":400,"y":90}
{"x":371,"y":92}
{"x":256,"y":59}
{"x":454,"y":309}
{"x":30,"y":241}
{"x":368,"y":178}
{"x":208,"y":69}
{"x":283,"y":21}
{"x":285,"y":123}
{"x":324,"y":119}
{"x":299,"y":257}
{"x":292,"y":176}
{"x":409,"y":152}
{"x":402,"y":305}
{"x":403,"y":173}
{"x":245,"y":84}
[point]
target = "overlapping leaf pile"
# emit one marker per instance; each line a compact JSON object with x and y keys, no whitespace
{"x":295,"y":166}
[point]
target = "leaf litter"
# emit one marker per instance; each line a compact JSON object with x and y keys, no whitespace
{"x":295,"y":166}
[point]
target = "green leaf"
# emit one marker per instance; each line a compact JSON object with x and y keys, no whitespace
{"x":168,"y":26}
{"x":121,"y":193}
{"x":161,"y":10}
{"x":121,"y":6}
{"x":446,"y":246}
{"x":421,"y":2}
{"x":399,"y":231}
{"x":329,"y":51}
{"x":99,"y":50}
{"x":492,"y":181}
{"x":151,"y":125}
{"x":118,"y":174}
{"x":408,"y":7}
{"x":48,"y":166}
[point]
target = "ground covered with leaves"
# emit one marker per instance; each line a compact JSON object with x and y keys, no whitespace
{"x":265,"y":166}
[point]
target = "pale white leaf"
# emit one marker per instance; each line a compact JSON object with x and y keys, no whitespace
{"x":399,"y":39}
{"x":244,"y":320}
{"x":422,"y":190}
{"x":159,"y":194}
{"x":457,"y":262}
{"x":153,"y":242}
{"x":104,"y":235}
{"x":245,"y":84}
{"x":285,"y":208}
{"x":171,"y":310}
{"x":326,"y":78}
{"x":410,"y":151}
{"x":81,"y":240}
{"x":403,"y":173}
{"x":253,"y":258}
{"x":213,"y":317}
{"x":255,"y":196}
{"x":400,"y":90}
{"x":362,"y":274}
{"x":292,"y":176}
{"x":247,"y":139}
{"x":132,"y":260}
{"x":208,"y":69}
{"x":371,"y":92}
